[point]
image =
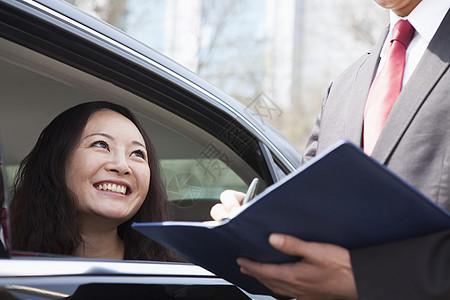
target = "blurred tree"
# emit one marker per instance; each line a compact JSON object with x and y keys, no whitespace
{"x":230,"y":54}
{"x":229,"y":44}
{"x":363,"y":19}
{"x":215,"y":16}
{"x":348,"y":28}
{"x":110,"y":11}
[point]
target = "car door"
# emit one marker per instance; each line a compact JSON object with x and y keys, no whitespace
{"x":52,"y":57}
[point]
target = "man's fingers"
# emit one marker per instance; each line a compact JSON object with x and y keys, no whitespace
{"x":218,"y":212}
{"x":289,"y":244}
{"x":265,"y":274}
{"x":230,"y":202}
{"x":230,"y":198}
{"x":253,"y":268}
{"x":312,"y":252}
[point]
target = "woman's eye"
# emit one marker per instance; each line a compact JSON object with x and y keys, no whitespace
{"x":100,"y":144}
{"x":138,"y":153}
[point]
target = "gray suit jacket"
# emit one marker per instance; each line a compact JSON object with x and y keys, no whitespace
{"x":415,"y":144}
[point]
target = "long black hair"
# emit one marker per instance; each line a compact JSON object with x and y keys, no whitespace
{"x":44,"y":211}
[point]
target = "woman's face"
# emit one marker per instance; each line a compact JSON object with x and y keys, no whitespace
{"x":108,"y":170}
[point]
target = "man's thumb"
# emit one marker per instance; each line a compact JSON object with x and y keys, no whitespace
{"x":288,"y":244}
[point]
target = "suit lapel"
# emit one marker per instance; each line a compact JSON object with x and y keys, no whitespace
{"x":358,"y":96}
{"x":434,"y":63}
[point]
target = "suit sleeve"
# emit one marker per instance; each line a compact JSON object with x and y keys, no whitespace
{"x":313,"y":140}
{"x":412,"y":269}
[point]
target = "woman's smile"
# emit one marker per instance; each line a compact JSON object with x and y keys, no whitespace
{"x":113,"y":187}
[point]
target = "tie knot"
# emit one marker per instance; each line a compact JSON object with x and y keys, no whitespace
{"x":403,"y":32}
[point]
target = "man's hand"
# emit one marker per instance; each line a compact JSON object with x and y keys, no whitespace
{"x":325,"y":271}
{"x":230,"y":205}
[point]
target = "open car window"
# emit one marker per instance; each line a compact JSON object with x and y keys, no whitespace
{"x":197,"y":166}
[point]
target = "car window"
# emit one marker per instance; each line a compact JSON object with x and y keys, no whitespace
{"x":197,"y":165}
{"x":193,"y":185}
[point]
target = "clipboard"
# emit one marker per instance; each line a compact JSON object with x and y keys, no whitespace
{"x":341,"y":197}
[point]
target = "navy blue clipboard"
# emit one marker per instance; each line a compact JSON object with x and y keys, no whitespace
{"x":341,"y":197}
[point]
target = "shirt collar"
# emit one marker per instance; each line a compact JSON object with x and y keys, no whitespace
{"x":425,"y":17}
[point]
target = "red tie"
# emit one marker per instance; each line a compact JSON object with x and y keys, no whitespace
{"x":386,"y":85}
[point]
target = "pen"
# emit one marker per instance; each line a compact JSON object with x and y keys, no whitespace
{"x":251,"y":192}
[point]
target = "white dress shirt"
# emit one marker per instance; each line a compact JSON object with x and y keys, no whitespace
{"x":425,"y":18}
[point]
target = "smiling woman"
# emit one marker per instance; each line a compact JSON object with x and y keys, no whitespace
{"x":92,"y":172}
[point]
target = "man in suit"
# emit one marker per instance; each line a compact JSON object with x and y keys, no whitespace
{"x":414,"y":143}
